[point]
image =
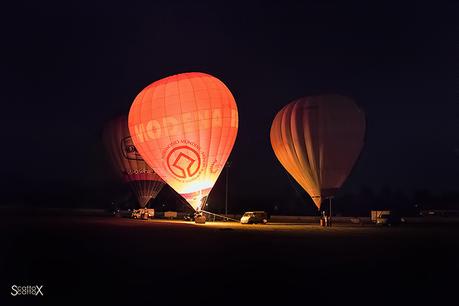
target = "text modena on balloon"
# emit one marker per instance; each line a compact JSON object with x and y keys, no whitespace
{"x":185,"y":127}
{"x":190,"y":122}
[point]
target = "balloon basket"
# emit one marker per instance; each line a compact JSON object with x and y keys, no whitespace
{"x":200,"y":219}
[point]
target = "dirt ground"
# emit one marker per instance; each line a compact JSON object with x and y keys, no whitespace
{"x":86,"y":259}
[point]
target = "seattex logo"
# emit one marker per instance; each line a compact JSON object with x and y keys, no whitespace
{"x":35,"y":290}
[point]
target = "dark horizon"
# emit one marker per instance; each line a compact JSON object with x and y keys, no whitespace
{"x":69,"y":68}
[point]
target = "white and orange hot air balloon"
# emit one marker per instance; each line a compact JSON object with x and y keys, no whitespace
{"x":128,"y":163}
{"x":185,"y":126}
{"x":318,"y":140}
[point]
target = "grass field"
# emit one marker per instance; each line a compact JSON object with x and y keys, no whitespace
{"x":83,"y":258}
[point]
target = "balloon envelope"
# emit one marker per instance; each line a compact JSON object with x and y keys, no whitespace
{"x":317,"y":140}
{"x":145,"y":183}
{"x":185,"y":127}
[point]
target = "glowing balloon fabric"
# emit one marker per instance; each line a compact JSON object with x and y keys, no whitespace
{"x":145,"y":183}
{"x":317,"y":140}
{"x":185,"y":127}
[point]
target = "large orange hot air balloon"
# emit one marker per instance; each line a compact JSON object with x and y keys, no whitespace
{"x":144,"y":182}
{"x":317,"y":140}
{"x":185,"y":126}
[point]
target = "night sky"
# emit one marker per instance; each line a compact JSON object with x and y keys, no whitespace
{"x":67,"y":68}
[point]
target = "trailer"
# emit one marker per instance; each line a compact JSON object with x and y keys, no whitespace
{"x":143,"y":213}
{"x":375,"y":214}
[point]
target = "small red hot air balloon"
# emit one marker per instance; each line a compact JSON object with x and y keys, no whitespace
{"x":144,"y":182}
{"x":185,"y":127}
{"x":318,"y":140}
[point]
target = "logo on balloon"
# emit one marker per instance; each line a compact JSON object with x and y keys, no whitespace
{"x":129,"y":150}
{"x":184,"y":162}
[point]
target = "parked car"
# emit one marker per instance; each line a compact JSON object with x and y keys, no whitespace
{"x":114,"y":209}
{"x":252,"y":217}
{"x":389,"y":219}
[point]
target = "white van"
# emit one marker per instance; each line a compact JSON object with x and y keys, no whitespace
{"x":252,"y":217}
